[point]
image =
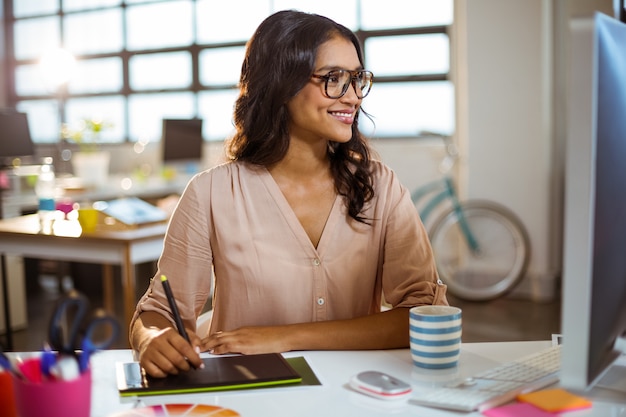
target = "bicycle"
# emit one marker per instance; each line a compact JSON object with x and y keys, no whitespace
{"x":481,"y":248}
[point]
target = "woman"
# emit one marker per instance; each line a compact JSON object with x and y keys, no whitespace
{"x":303,"y":232}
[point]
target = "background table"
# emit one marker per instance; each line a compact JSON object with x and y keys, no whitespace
{"x":23,"y":236}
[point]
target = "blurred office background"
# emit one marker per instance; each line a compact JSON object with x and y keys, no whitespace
{"x":490,"y":73}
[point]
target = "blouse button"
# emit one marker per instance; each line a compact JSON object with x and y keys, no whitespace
{"x":316,"y":262}
{"x":320,"y":301}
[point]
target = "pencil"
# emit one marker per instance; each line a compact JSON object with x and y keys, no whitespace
{"x":172,"y":301}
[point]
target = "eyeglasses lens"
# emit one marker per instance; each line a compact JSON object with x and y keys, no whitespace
{"x":338,"y":83}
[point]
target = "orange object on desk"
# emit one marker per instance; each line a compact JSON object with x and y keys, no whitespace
{"x":555,"y":400}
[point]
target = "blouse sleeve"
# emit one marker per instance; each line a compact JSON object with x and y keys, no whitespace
{"x":409,"y":271}
{"x":186,"y":259}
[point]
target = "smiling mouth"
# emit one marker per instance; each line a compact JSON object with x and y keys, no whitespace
{"x":343,"y":116}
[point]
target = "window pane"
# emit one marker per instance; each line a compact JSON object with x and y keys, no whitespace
{"x":216,"y":108}
{"x":157,"y":71}
{"x":160,"y":25}
{"x":43,"y":119}
{"x":227,"y":21}
{"x":29,"y":80}
{"x":83,"y":32}
{"x":344,"y":12}
{"x":221,"y":66}
{"x":22,"y":8}
{"x":108,"y":109}
{"x":376,"y":14}
{"x":422,"y":54}
{"x":97,"y":75}
{"x":416,"y":107}
{"x":147,"y":111}
{"x":57,"y":67}
{"x":72,"y":5}
{"x":33,"y":37}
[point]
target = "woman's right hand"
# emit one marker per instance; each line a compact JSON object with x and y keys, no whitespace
{"x":164,"y":351}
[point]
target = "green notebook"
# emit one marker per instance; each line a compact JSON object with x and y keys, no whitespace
{"x":220,"y":373}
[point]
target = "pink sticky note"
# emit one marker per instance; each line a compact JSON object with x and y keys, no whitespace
{"x":517,"y":410}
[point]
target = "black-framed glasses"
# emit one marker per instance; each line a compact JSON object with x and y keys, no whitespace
{"x":337,"y":82}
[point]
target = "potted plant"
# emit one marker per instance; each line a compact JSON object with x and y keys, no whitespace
{"x":90,"y":163}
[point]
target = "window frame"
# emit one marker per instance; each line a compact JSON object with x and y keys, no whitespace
{"x":194,"y":50}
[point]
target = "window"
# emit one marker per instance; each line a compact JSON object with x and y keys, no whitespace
{"x":181,"y":59}
{"x":174,"y":71}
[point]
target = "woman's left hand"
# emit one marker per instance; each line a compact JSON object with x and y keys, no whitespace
{"x":386,"y":330}
{"x":247,"y":340}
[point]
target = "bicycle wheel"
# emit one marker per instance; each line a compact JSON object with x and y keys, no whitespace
{"x":496,"y":263}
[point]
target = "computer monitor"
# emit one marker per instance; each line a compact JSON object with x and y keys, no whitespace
{"x":15,"y":140}
{"x":594,"y":262}
{"x":182,"y":144}
{"x":619,"y":9}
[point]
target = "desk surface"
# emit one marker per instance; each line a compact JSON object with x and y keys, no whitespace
{"x":29,"y":226}
{"x":333,"y":397}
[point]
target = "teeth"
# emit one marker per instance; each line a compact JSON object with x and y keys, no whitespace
{"x":343,"y":114}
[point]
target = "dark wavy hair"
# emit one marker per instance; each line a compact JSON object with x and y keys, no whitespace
{"x":280,"y":59}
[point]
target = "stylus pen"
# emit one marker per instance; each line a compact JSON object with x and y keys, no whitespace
{"x":174,"y":307}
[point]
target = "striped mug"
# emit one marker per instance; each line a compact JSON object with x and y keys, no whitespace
{"x":435,"y":334}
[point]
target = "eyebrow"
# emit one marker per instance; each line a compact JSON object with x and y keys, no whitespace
{"x":329,"y":68}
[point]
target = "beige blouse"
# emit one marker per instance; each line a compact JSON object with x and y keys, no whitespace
{"x":234,"y":221}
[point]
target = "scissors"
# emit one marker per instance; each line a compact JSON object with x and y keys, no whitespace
{"x":72,"y":327}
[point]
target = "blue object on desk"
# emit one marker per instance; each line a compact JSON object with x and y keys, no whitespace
{"x":133,"y":211}
{"x":5,"y":363}
{"x":86,"y":331}
{"x":48,"y":360}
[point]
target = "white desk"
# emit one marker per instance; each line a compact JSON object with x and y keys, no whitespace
{"x":333,"y":397}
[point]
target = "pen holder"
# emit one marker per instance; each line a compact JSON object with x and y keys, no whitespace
{"x":54,"y":398}
{"x":7,"y":397}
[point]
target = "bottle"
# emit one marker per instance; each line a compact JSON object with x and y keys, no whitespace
{"x":45,"y":190}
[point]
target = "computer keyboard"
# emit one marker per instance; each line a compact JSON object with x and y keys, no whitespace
{"x":496,"y":386}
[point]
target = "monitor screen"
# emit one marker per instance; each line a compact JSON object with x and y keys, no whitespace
{"x":182,"y":141}
{"x":594,"y":263}
{"x":620,"y":10}
{"x":15,"y":140}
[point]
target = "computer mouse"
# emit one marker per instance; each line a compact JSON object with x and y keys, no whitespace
{"x":380,"y":385}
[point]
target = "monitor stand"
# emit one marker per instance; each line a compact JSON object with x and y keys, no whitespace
{"x":615,"y":377}
{"x":612,"y":385}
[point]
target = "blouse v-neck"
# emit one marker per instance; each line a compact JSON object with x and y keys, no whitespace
{"x":293,"y":221}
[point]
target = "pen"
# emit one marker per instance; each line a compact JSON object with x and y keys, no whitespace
{"x":174,"y":308}
{"x":48,"y":361}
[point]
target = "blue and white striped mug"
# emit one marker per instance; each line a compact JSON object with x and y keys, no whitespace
{"x":435,"y":333}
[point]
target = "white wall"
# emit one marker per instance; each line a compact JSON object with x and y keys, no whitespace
{"x":508,"y":136}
